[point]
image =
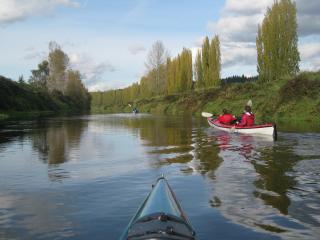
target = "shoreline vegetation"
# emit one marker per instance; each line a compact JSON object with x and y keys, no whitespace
{"x":20,"y":100}
{"x":285,"y":99}
{"x":53,"y":88}
{"x":177,"y":86}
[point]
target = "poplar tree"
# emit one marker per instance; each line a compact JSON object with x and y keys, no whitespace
{"x":277,"y":42}
{"x":206,"y":61}
{"x":170,"y":76}
{"x":179,"y":72}
{"x":215,"y":62}
{"x":58,"y":64}
{"x":198,"y":73}
{"x":186,"y":70}
{"x":155,"y":64}
{"x":208,"y":64}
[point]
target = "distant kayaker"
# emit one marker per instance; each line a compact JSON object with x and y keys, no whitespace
{"x":247,"y":118}
{"x":226,"y":117}
{"x":135,"y":110}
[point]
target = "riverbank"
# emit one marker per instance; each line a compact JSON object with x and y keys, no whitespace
{"x":286,"y":99}
{"x":20,"y":100}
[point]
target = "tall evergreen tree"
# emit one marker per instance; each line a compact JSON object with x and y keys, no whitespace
{"x":277,"y":42}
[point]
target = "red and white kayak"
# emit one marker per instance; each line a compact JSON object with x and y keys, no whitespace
{"x":265,"y":129}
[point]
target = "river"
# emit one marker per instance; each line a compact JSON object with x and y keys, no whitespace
{"x":84,"y":177}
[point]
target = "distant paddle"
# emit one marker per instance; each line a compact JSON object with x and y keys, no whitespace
{"x":206,"y":114}
{"x":249,"y":103}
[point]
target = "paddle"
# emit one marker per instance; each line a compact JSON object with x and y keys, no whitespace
{"x":206,"y":114}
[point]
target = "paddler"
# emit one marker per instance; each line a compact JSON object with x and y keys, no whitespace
{"x":247,"y":118}
{"x":226,"y":117}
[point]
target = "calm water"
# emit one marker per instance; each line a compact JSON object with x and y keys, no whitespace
{"x":84,"y":177}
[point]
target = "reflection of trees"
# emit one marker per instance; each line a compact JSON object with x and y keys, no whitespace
{"x":169,"y":139}
{"x":162,"y":131}
{"x":273,"y":166}
{"x":175,"y":140}
{"x":56,"y":140}
{"x":52,"y":140}
{"x":207,"y":153}
{"x":254,"y":169}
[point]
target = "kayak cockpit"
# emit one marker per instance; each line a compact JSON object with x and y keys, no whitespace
{"x":160,"y":226}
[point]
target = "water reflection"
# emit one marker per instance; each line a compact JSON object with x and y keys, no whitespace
{"x":53,"y":142}
{"x":56,"y":140}
{"x":91,"y":172}
{"x":274,"y":182}
{"x":175,"y":140}
{"x":253,"y":184}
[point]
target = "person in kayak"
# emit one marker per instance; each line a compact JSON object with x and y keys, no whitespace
{"x":226,"y":117}
{"x":247,"y":118}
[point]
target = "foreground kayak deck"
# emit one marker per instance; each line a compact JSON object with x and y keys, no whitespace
{"x":159,"y":217}
{"x":264,"y":129}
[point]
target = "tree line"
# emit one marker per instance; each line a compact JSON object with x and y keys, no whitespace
{"x":167,"y":76}
{"x":277,"y":56}
{"x":55,"y":77}
{"x":238,"y":79}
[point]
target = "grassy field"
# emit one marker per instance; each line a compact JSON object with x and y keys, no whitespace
{"x":286,"y":99}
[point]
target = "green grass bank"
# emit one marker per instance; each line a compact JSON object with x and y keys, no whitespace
{"x":287,"y":99}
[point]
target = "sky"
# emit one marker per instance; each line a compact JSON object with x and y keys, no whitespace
{"x":108,"y":41}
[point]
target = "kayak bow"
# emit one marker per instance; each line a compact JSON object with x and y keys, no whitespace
{"x":159,"y":217}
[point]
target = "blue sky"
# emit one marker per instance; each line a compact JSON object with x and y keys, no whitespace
{"x":108,"y":41}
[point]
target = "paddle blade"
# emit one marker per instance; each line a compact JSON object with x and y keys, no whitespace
{"x":249,"y":103}
{"x":207,"y":115}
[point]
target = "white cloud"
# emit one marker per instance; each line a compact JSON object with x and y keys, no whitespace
{"x":310,"y":56}
{"x":237,"y":28}
{"x":310,"y":50}
{"x":17,"y":10}
{"x":93,"y":73}
{"x":237,"y":53}
{"x":238,"y":24}
{"x":239,"y":20}
{"x":199,"y":41}
{"x":106,"y":85}
{"x":35,"y":55}
{"x":246,"y":7}
{"x":308,"y":25}
{"x":136,"y":48}
{"x":308,"y":17}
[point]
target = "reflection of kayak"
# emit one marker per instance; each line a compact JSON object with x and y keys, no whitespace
{"x":265,"y":129}
{"x":159,"y":217}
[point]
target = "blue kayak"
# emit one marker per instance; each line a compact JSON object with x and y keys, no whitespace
{"x":159,"y":217}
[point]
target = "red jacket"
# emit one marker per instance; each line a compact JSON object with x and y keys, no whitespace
{"x":226,"y":118}
{"x":247,"y":119}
